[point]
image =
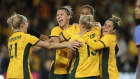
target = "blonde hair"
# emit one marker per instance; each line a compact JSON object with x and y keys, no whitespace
{"x":87,"y":21}
{"x":68,"y":10}
{"x":15,"y":20}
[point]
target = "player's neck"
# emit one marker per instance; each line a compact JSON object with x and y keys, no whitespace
{"x":82,"y":32}
{"x":66,"y":26}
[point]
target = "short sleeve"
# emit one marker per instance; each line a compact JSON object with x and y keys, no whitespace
{"x":66,"y":35}
{"x":32,"y":39}
{"x":137,"y":35}
{"x":105,"y":40}
{"x":56,"y":31}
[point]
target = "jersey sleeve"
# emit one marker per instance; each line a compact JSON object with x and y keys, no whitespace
{"x":56,"y":31}
{"x":66,"y":35}
{"x":102,"y":43}
{"x":137,"y":36}
{"x":32,"y":39}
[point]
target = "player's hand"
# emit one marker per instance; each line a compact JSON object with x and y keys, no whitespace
{"x":75,"y":24}
{"x":74,"y":44}
{"x":97,"y":24}
{"x":48,"y":40}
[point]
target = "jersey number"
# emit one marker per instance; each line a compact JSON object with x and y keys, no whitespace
{"x":10,"y":49}
{"x":88,"y":49}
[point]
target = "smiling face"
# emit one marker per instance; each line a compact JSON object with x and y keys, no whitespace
{"x":137,"y":10}
{"x":62,"y":17}
{"x":108,"y":28}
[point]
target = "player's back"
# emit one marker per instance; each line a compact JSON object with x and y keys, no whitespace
{"x":19,"y":51}
{"x":86,"y":61}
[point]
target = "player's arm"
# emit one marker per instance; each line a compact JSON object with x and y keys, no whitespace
{"x":97,"y":24}
{"x":61,"y":38}
{"x":31,"y":31}
{"x":65,"y":35}
{"x":54,"y":36}
{"x":35,"y":48}
{"x":48,"y":45}
{"x":102,"y":43}
{"x":70,"y":54}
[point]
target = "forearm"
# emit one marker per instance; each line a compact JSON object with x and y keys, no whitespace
{"x":56,"y":45}
{"x":55,"y":39}
{"x":70,"y":54}
{"x":95,"y":45}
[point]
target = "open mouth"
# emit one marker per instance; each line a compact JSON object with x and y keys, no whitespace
{"x":105,"y":30}
{"x":60,"y":21}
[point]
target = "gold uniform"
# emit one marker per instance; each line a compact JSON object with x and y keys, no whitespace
{"x":67,"y":34}
{"x":20,"y":49}
{"x":85,"y":63}
{"x":60,"y":62}
{"x":107,"y":58}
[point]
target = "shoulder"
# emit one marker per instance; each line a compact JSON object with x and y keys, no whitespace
{"x":56,"y":27}
{"x":96,"y":28}
{"x":76,"y":37}
{"x":74,"y":26}
{"x":109,"y":37}
{"x":137,"y":29}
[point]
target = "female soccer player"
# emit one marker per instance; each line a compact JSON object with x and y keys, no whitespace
{"x":109,"y":47}
{"x":85,"y":61}
{"x":60,"y":63}
{"x":20,"y":47}
{"x":74,"y":29}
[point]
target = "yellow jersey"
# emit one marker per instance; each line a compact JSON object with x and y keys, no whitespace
{"x":60,"y":62}
{"x":67,"y":34}
{"x":85,"y":63}
{"x":20,"y":49}
{"x":109,"y":48}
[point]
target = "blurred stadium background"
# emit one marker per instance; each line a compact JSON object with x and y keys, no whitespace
{"x":41,"y":15}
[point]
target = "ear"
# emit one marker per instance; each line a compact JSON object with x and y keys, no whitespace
{"x":69,"y":16}
{"x":83,"y":27}
{"x":21,"y":25}
{"x":114,"y":30}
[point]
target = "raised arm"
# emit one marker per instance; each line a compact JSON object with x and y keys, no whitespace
{"x":33,"y":32}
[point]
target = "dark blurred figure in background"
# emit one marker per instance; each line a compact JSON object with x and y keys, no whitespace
{"x":137,"y":35}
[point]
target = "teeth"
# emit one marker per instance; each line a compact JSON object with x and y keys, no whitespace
{"x":60,"y":21}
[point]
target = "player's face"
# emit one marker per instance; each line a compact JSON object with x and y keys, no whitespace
{"x":85,"y":11}
{"x":108,"y":28}
{"x":62,"y":18}
{"x":137,"y":10}
{"x":25,"y":26}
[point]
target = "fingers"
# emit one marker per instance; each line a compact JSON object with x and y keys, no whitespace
{"x":49,"y":40}
{"x":73,"y":49}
